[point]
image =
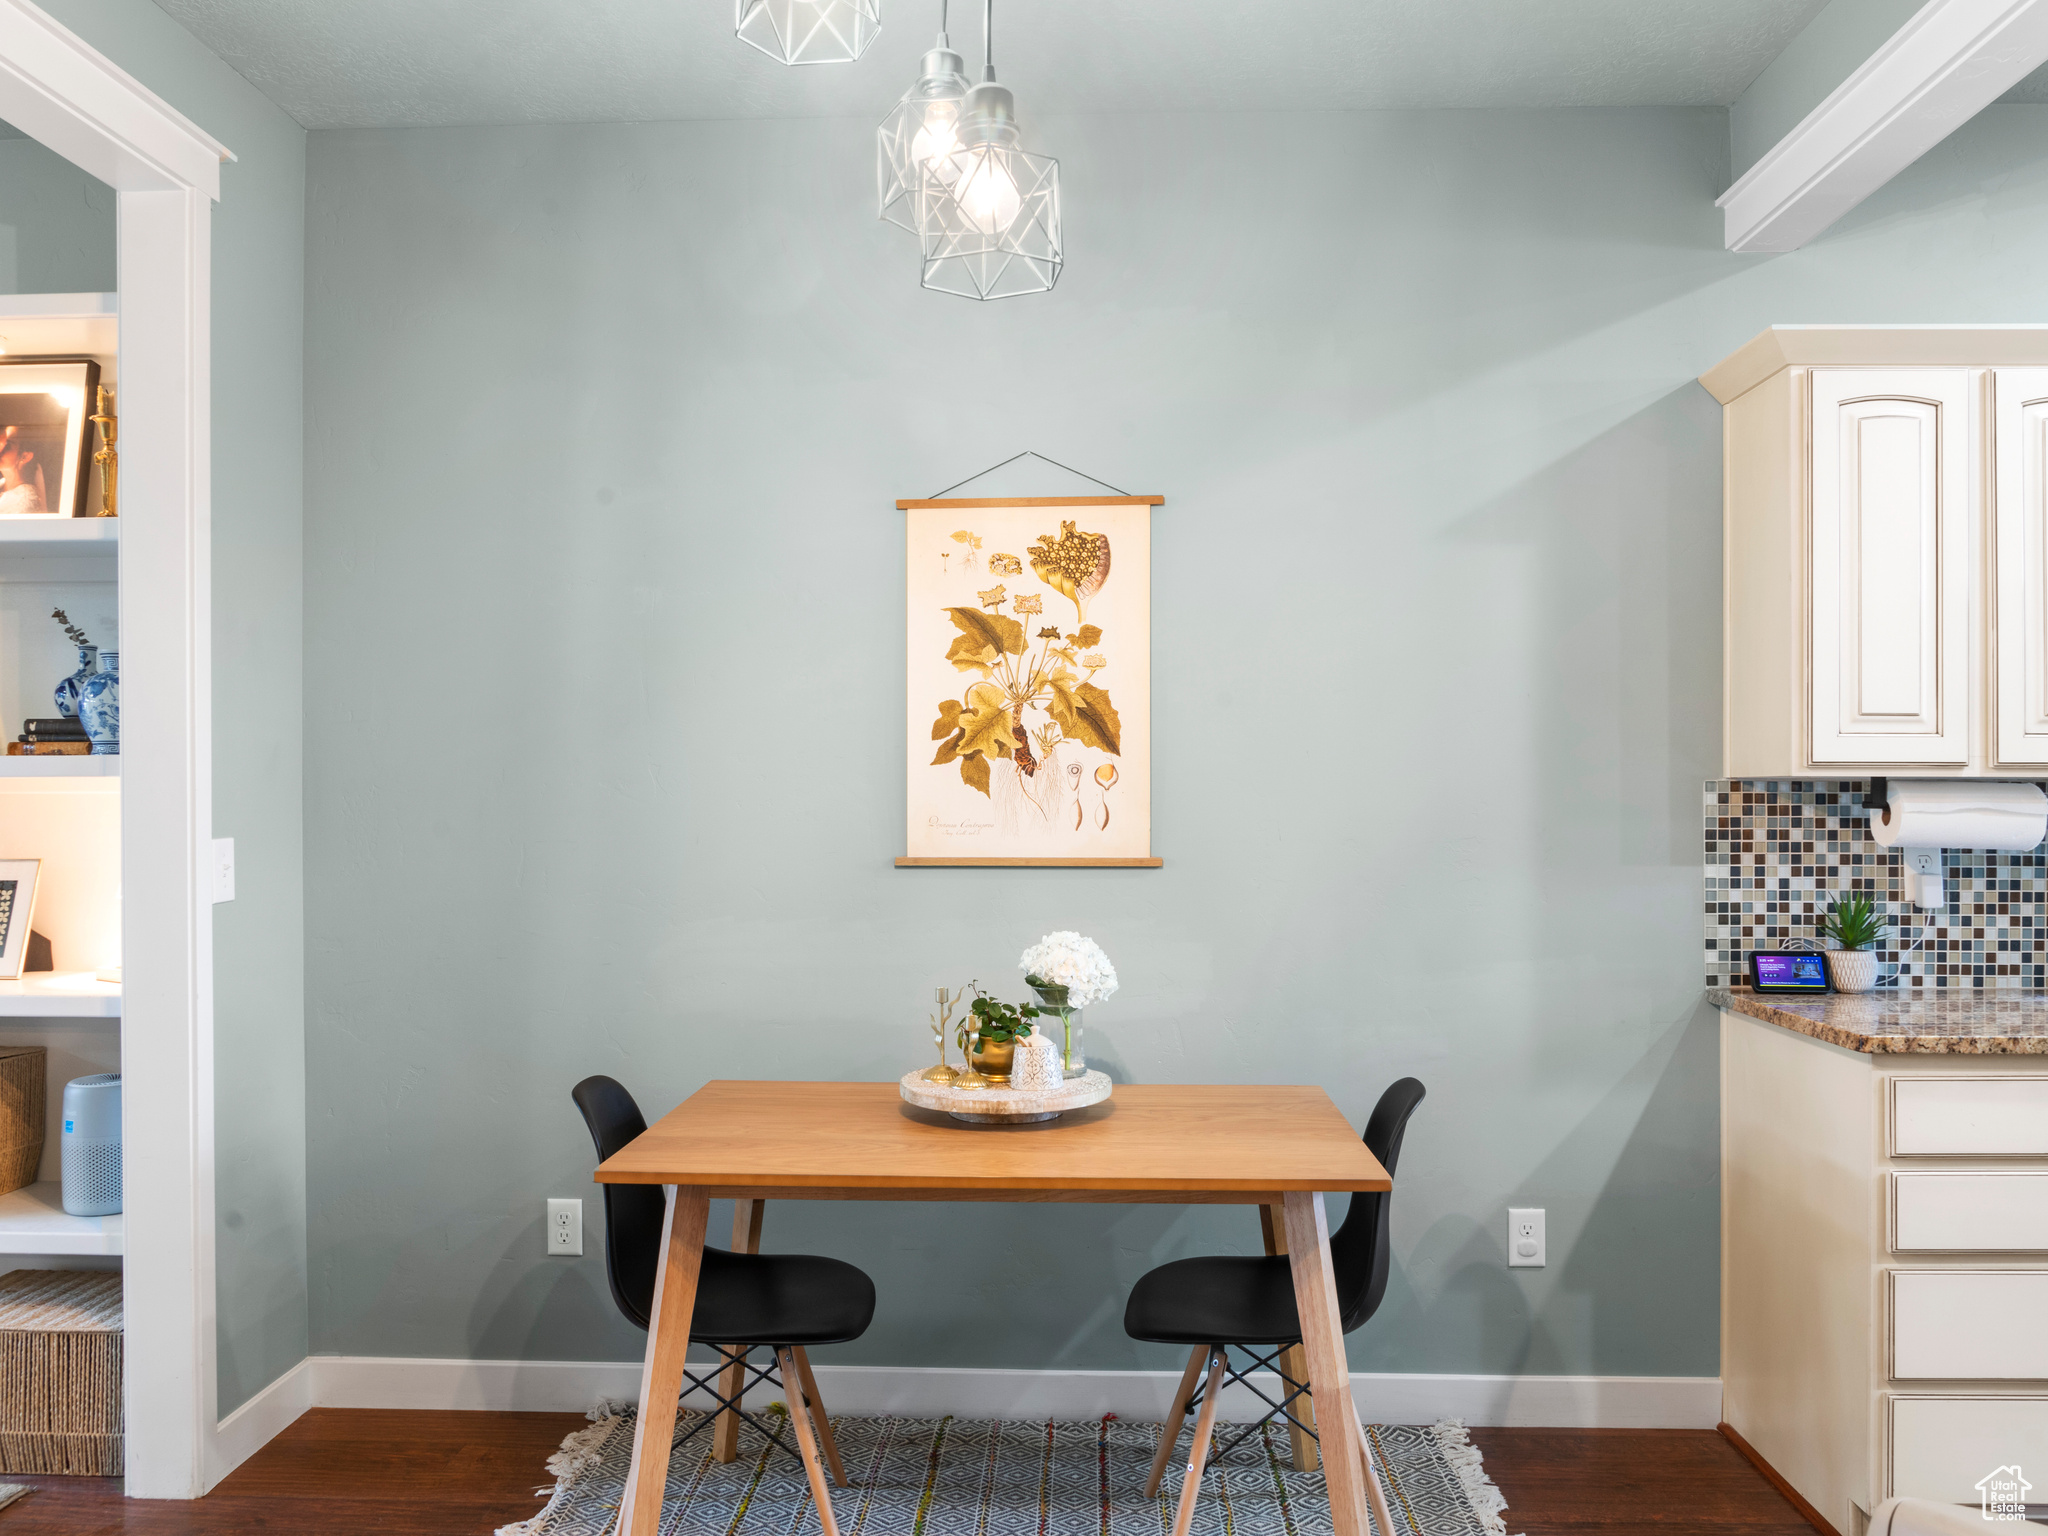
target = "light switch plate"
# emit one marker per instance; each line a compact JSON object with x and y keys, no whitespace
{"x":565,"y":1227}
{"x":1525,"y":1237}
{"x":223,"y":869}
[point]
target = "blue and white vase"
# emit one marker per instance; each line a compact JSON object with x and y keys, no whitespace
{"x":72,"y":686}
{"x":99,"y":705}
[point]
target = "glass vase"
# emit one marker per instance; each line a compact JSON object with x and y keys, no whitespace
{"x":1063,"y":1029}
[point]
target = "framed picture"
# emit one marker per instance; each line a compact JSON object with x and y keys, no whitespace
{"x":17,"y":910}
{"x":1030,"y":656}
{"x":46,"y":406}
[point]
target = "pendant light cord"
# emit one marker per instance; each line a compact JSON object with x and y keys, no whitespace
{"x":1028,"y":454}
{"x":988,"y":50}
{"x":943,"y":41}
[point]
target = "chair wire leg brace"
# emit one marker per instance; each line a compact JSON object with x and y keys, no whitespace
{"x":749,"y":1373}
{"x":1222,"y":1374}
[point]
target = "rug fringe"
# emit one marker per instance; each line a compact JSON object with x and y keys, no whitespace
{"x":1481,"y":1492}
{"x":577,"y":1457}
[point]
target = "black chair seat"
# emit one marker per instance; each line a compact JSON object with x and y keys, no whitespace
{"x":1215,"y":1301}
{"x":780,"y":1298}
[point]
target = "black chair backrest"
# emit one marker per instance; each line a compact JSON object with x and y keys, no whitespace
{"x":1359,"y":1248}
{"x":632,"y":1212}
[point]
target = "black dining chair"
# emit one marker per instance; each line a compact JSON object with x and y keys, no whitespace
{"x":1224,"y":1303}
{"x":745,"y":1300}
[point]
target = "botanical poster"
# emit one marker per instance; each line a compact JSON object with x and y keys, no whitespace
{"x":1030,"y":681}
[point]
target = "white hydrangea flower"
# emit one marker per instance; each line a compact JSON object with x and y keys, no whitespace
{"x":1066,"y":959}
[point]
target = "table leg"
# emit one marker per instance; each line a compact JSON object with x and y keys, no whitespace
{"x":746,"y":1238}
{"x":668,"y":1341}
{"x":1294,"y":1361}
{"x":1322,"y":1337}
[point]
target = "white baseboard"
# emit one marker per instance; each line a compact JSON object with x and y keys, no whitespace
{"x":261,"y":1419}
{"x":1565,"y":1402}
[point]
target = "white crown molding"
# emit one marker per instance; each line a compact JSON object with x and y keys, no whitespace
{"x":572,"y":1386}
{"x":1950,"y":61}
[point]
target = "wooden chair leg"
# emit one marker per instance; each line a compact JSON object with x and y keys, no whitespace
{"x":1177,"y":1415}
{"x":1198,"y":1453}
{"x":816,"y":1402}
{"x":746,"y":1238}
{"x":1374,"y":1496}
{"x":1294,"y":1359}
{"x":800,"y":1425}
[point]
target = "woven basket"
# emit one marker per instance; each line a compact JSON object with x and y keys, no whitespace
{"x":22,"y":1101}
{"x":60,"y":1372}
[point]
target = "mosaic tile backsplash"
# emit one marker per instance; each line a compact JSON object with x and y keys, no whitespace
{"x":1778,"y":851}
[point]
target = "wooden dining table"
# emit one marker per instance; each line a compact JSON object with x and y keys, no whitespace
{"x":1278,"y":1148}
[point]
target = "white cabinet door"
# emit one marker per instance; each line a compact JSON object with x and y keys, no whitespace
{"x":2019,"y":534}
{"x":1890,"y":651}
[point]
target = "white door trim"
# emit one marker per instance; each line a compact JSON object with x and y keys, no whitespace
{"x":166,"y":174}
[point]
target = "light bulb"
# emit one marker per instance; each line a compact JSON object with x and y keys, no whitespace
{"x":988,"y":195}
{"x":936,"y":139}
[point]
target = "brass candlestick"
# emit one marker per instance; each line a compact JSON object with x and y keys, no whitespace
{"x":941,"y":1022}
{"x":108,"y":458}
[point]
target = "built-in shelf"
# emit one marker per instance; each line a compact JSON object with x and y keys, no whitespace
{"x":99,"y":775}
{"x":33,"y":1220}
{"x":44,"y":533}
{"x":60,"y":995}
{"x":59,"y":324}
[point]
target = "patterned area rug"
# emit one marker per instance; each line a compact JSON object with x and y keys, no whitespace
{"x":983,"y":1477}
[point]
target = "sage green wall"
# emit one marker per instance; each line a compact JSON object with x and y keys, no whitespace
{"x":258,"y":429}
{"x":56,"y":222}
{"x":604,"y":680}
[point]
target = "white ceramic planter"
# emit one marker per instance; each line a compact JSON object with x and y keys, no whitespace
{"x":1853,"y":970}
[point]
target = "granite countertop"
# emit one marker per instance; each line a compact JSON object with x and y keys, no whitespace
{"x":1965,"y":1023}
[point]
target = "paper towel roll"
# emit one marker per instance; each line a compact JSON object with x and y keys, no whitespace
{"x":1962,"y":813}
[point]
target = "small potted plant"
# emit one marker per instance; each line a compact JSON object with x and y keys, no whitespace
{"x":994,"y":1029}
{"x":1853,"y":923}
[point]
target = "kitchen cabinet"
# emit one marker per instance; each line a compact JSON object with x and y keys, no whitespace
{"x":1884,"y":1248}
{"x":1885,"y":552}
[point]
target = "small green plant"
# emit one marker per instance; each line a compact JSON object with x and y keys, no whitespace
{"x":72,"y":632}
{"x":1853,"y":923}
{"x":997,"y":1022}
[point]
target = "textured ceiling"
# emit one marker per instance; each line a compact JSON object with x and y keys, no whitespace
{"x":342,"y":63}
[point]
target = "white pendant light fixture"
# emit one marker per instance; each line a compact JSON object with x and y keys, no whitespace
{"x":989,"y":213}
{"x":808,"y":31}
{"x":919,"y":132}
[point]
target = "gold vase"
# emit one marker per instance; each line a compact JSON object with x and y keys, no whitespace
{"x":991,"y":1060}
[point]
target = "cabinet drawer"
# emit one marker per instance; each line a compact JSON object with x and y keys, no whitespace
{"x":1942,"y":1447}
{"x":1970,"y":1212}
{"x":1969,"y":1325}
{"x":1969,"y":1116}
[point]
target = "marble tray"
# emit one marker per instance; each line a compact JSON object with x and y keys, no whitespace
{"x":1005,"y":1106}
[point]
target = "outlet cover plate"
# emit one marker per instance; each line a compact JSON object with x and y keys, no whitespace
{"x":565,"y":1227}
{"x":1525,"y":1237}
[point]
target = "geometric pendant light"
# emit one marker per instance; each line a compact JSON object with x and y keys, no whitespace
{"x":988,"y":212}
{"x":808,"y":31}
{"x":918,"y":133}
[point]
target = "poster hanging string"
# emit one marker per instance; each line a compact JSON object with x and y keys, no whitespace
{"x":1026,"y":454}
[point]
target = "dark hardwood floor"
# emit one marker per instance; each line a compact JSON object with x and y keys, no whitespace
{"x":346,"y":1472}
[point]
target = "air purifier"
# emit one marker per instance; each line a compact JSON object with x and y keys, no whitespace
{"x":91,"y":1145}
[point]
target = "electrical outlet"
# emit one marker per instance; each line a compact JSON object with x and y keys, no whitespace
{"x":223,"y":869}
{"x":1525,"y":1237}
{"x":565,"y":1226}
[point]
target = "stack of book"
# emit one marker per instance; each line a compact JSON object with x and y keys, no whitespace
{"x":64,"y":737}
